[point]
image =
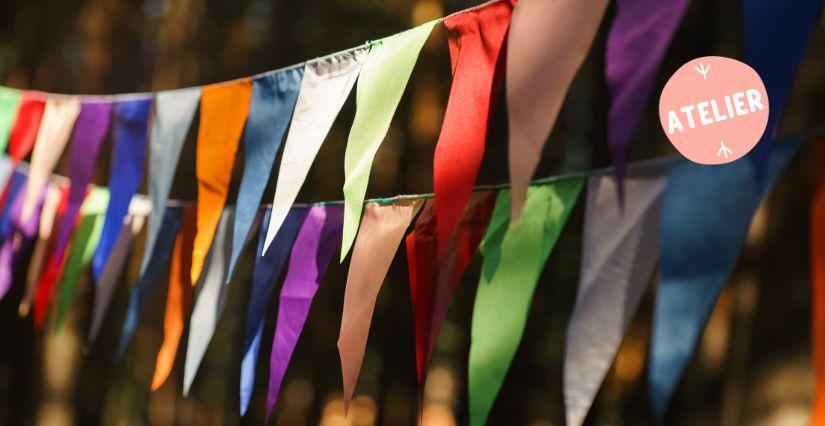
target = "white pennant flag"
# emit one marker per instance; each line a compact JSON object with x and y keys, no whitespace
{"x":326,"y":85}
{"x":211,"y":298}
{"x":619,"y":253}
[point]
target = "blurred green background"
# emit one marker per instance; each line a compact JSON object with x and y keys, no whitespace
{"x":752,"y":366}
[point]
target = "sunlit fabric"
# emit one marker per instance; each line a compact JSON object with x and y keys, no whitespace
{"x":514,"y":256}
{"x":380,"y":86}
{"x":326,"y":85}
{"x":706,"y":213}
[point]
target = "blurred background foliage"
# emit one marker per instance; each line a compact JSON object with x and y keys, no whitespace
{"x":752,"y":366}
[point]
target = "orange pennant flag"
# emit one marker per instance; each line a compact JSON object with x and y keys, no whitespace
{"x":224,"y":108}
{"x":817,"y":230}
{"x":178,"y":298}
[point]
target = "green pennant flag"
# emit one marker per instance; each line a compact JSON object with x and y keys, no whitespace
{"x":83,"y":244}
{"x":380,"y":86}
{"x":9,"y":101}
{"x":513,"y":260}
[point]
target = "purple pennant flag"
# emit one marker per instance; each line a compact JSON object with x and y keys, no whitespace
{"x":89,"y":132}
{"x":636,"y":43}
{"x":319,"y":237}
{"x":17,"y":236}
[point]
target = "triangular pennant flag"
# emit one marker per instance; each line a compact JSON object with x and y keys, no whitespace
{"x":378,"y":239}
{"x":24,"y":132}
{"x":173,"y":114}
{"x":432,"y":280}
{"x":178,"y":298}
{"x":210,"y":300}
{"x":476,"y":38}
{"x":514,"y":256}
{"x":618,"y":257}
{"x":817,"y":244}
{"x":706,"y":213}
{"x":9,"y":102}
{"x":56,"y":126}
{"x":319,"y":237}
{"x":16,"y":235}
{"x":89,"y":133}
{"x":129,"y":128}
{"x":84,"y":241}
{"x":638,"y":38}
{"x":146,"y":282}
{"x":56,"y":198}
{"x":224,"y":108}
{"x":265,"y":274}
{"x":380,"y":86}
{"x":776,"y":35}
{"x":132,"y":225}
{"x":273,"y":100}
{"x":326,"y":85}
{"x":537,"y":79}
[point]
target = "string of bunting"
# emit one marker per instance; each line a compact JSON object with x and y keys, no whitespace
{"x":637,"y":214}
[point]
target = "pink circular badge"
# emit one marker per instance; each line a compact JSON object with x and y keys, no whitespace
{"x":714,"y":109}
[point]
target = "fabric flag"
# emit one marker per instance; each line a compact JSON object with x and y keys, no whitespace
{"x":56,"y":126}
{"x":776,"y":34}
{"x":178,"y":298}
{"x":433,"y":281}
{"x":24,"y":132}
{"x":639,"y":35}
{"x":817,"y":236}
{"x":618,"y":258}
{"x":173,"y":114}
{"x":326,"y":85}
{"x":56,"y":197}
{"x":381,"y":232}
{"x":537,"y":79}
{"x":475,"y":41}
{"x":224,"y":108}
{"x":9,"y":102}
{"x":89,"y":133}
{"x":84,"y":241}
{"x":273,"y":100}
{"x":139,"y":209}
{"x":210,"y":300}
{"x":319,"y":237}
{"x":146,"y":282}
{"x":131,"y":124}
{"x":265,"y":274}
{"x":706,"y":213}
{"x":514,"y":256}
{"x":380,"y":86}
{"x":16,"y":235}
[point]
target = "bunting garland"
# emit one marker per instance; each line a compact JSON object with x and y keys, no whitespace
{"x":707,"y":223}
{"x":130,"y":127}
{"x":326,"y":84}
{"x":224,"y":108}
{"x":265,"y":274}
{"x":476,"y":38}
{"x":273,"y":100}
{"x":380,"y":86}
{"x":618,"y":258}
{"x":514,"y":256}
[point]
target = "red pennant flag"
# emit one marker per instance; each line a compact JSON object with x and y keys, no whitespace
{"x":24,"y":132}
{"x":817,"y":230}
{"x":433,"y":282}
{"x":54,"y":268}
{"x":475,"y":40}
